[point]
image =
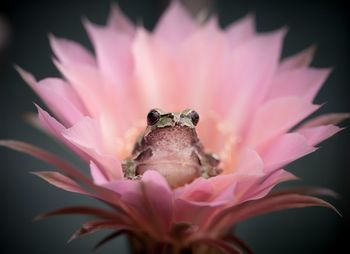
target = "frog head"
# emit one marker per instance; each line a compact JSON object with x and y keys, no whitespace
{"x":157,"y":118}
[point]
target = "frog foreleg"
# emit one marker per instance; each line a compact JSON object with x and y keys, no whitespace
{"x":129,"y":168}
{"x":210,"y":164}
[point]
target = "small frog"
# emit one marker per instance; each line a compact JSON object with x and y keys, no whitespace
{"x":170,"y":145}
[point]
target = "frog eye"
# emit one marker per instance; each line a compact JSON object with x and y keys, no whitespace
{"x":193,"y":115}
{"x":153,"y":116}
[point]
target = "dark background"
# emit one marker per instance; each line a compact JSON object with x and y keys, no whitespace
{"x":310,"y":230}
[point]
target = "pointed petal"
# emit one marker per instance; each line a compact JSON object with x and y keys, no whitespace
{"x":249,"y":162}
{"x":47,"y":157}
{"x":103,"y":194}
{"x":78,"y":210}
{"x":192,"y":212}
{"x":334,"y":118}
{"x":113,"y":52}
{"x":70,"y":52}
{"x":158,"y":198}
{"x":285,"y":149}
{"x":316,"y":135}
{"x":58,"y":95}
{"x":97,"y":175}
{"x":300,"y":60}
{"x":277,"y":116}
{"x":241,"y":30}
{"x":274,"y":202}
{"x":56,"y":129}
{"x":60,"y":181}
{"x":207,"y":70}
{"x":94,"y":226}
{"x":156,"y":71}
{"x":86,"y":135}
{"x":110,"y":237}
{"x":260,"y":57}
{"x":304,"y":83}
{"x":120,"y":22}
{"x":175,"y":24}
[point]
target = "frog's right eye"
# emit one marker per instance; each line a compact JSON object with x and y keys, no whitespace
{"x":153,"y":116}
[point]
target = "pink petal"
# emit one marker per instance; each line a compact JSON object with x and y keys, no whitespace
{"x":208,"y":192}
{"x":158,"y":198}
{"x":80,"y":210}
{"x":60,"y":181}
{"x":285,"y":149}
{"x":249,"y":162}
{"x":241,"y":30}
{"x":120,"y":22}
{"x":86,"y":81}
{"x":334,"y":118}
{"x":155,"y":71}
{"x":113,"y":52}
{"x":97,"y":175}
{"x":70,"y":52}
{"x":56,"y":129}
{"x":175,"y":24}
{"x":47,"y":157}
{"x":97,"y":225}
{"x":58,"y":95}
{"x":274,"y":202}
{"x":252,"y":66}
{"x":277,"y":116}
{"x":256,"y":187}
{"x":316,"y":135}
{"x":130,"y":192}
{"x":86,"y":135}
{"x":191,"y":212}
{"x":207,"y":72}
{"x":300,"y":60}
{"x":304,"y":83}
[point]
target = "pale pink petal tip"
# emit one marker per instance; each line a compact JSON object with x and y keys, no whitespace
{"x":299,"y":60}
{"x":70,"y":52}
{"x":120,"y":22}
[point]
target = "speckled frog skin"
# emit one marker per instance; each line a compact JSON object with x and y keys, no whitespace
{"x":170,"y":145}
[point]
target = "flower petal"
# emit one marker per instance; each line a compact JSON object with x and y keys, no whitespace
{"x":300,"y":60}
{"x":334,"y":118}
{"x":241,"y":30}
{"x":277,"y":116}
{"x":70,"y":52}
{"x":97,"y":175}
{"x":316,"y":135}
{"x":86,"y":135}
{"x":113,"y":52}
{"x":304,"y":83}
{"x":120,"y":22}
{"x":158,"y":198}
{"x":60,"y":181}
{"x":175,"y":24}
{"x":58,"y":95}
{"x":285,"y":149}
{"x":260,"y":57}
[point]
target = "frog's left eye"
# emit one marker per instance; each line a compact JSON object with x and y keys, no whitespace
{"x":153,"y":116}
{"x":194,"y":116}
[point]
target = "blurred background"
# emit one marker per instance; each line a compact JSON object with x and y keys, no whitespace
{"x":24,"y":26}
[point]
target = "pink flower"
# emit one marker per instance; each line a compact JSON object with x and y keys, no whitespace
{"x":251,"y":104}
